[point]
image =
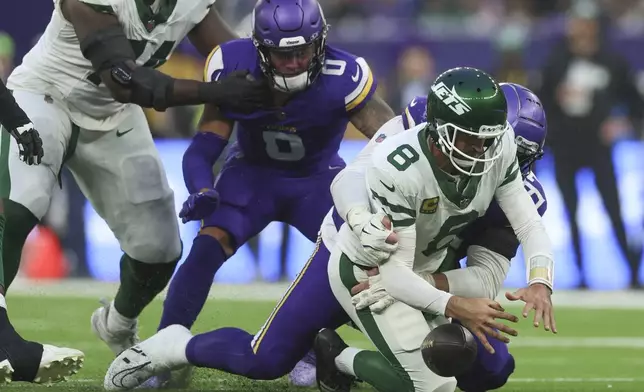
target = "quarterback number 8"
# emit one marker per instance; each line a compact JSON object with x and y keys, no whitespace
{"x":403,"y":157}
{"x":283,"y":146}
{"x":448,"y":232}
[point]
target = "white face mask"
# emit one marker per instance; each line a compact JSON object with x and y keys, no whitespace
{"x":290,"y":84}
{"x":465,"y":163}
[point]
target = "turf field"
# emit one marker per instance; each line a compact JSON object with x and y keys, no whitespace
{"x":600,"y":345}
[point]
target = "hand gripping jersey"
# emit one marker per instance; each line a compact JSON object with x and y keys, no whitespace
{"x":56,"y":66}
{"x":305,"y":134}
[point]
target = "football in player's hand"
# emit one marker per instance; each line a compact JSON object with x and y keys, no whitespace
{"x":449,"y":350}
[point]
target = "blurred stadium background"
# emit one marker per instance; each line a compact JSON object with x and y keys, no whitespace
{"x":74,"y":257}
{"x":407,"y":43}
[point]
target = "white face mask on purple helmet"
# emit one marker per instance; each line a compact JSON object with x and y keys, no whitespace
{"x":291,"y":58}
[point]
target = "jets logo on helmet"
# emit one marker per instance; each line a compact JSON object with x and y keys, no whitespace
{"x":467,"y":101}
{"x":451,"y":98}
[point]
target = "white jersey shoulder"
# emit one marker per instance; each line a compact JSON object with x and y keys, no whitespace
{"x":57,"y":67}
{"x":406,"y":183}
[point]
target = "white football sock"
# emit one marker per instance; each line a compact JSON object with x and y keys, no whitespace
{"x":175,"y":342}
{"x":344,"y":361}
{"x":116,"y":321}
{"x":3,"y":302}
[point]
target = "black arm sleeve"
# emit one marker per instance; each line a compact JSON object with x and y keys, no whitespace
{"x":497,"y":238}
{"x":11,"y":115}
{"x":501,"y":240}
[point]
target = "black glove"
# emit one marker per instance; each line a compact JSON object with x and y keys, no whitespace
{"x":29,"y":144}
{"x":238,"y":91}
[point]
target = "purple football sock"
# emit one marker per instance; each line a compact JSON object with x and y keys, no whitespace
{"x":230,"y":350}
{"x":189,"y":288}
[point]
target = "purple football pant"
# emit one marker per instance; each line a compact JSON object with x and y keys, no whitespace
{"x":307,"y":306}
{"x":489,"y":371}
{"x":252,"y":197}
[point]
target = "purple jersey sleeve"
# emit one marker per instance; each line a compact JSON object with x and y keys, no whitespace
{"x":350,"y":77}
{"x":415,"y":113}
{"x":536,"y":192}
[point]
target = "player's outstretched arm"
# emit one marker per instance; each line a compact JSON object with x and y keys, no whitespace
{"x":526,"y":222}
{"x":103,"y":42}
{"x":211,"y":32}
{"x":198,"y":161}
{"x":206,"y":147}
{"x":370,"y":118}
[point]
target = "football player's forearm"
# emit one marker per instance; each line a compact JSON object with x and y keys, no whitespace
{"x":206,"y":147}
{"x":406,"y":286}
{"x":529,"y":229}
{"x":482,"y":278}
{"x":11,"y":115}
{"x":372,"y":116}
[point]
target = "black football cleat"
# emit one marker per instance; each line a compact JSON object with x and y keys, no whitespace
{"x":327,"y":346}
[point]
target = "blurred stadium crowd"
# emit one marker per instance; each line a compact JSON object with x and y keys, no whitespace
{"x":538,"y":43}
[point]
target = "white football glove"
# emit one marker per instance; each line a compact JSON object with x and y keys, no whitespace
{"x":373,"y":235}
{"x":375,"y":297}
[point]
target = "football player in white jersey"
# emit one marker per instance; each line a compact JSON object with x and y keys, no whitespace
{"x":83,"y":85}
{"x":431,"y":181}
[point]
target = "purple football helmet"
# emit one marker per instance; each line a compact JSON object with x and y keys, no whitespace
{"x":290,"y":36}
{"x":527,"y":117}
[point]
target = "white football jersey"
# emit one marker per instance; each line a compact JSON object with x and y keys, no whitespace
{"x":406,"y":183}
{"x":56,"y":66}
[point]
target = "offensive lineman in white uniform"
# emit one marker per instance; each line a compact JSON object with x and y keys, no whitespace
{"x":431,"y":181}
{"x":83,"y":85}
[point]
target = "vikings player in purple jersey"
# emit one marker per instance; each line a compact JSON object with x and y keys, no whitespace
{"x":289,"y":332}
{"x":283,"y":156}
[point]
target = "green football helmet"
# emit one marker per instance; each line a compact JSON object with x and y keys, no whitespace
{"x":467,"y":100}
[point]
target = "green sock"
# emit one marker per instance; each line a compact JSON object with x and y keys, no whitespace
{"x":374,"y":369}
{"x":17,"y":223}
{"x":140,"y":284}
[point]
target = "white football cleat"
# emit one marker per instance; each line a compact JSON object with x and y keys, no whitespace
{"x":6,"y":372}
{"x":163,"y":352}
{"x":58,"y":363}
{"x":117,"y":341}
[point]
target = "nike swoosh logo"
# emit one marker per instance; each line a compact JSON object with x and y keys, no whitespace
{"x":356,"y":76}
{"x":389,"y":188}
{"x":413,"y":102}
{"x":335,"y":167}
{"x":119,"y":133}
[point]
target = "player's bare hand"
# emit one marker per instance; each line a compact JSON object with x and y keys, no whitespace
{"x":480,"y":316}
{"x":29,"y":144}
{"x":240,"y":91}
{"x":199,"y":205}
{"x":537,"y":297}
